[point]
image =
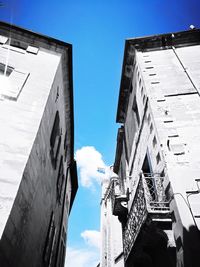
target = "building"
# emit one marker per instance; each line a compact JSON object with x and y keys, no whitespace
{"x":38,"y":179}
{"x":111,"y":249}
{"x":158,"y":146}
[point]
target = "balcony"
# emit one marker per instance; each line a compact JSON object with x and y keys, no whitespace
{"x":149,"y":204}
{"x":119,"y":201}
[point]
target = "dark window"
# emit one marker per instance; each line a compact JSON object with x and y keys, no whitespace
{"x":65,"y":145}
{"x":18,"y":44}
{"x":55,"y":140}
{"x":151,"y":128}
{"x":135,"y":109}
{"x":144,"y":98}
{"x":5,"y":70}
{"x":149,"y":118}
{"x":49,"y":244}
{"x":154,"y":141}
{"x":140,"y":81}
{"x":168,"y":121}
{"x":57,"y":94}
{"x":158,"y":158}
{"x":155,"y":82}
{"x":60,"y":179}
{"x":149,"y":67}
{"x":142,"y":91}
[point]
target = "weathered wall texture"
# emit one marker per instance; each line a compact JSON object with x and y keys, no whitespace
{"x":160,"y":111}
{"x":21,"y":120}
{"x":35,"y":179}
{"x":111,"y":233}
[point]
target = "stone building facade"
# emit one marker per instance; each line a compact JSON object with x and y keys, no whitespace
{"x":158,"y":146}
{"x":111,"y":249}
{"x":38,"y":179}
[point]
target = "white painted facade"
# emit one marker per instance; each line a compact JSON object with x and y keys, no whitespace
{"x":20,"y":118}
{"x":111,"y":249}
{"x":159,"y":108}
{"x":38,"y":179}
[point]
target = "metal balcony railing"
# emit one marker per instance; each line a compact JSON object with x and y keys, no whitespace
{"x":118,"y":199}
{"x":149,"y":200}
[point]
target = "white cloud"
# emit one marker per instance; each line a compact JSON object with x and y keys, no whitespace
{"x":88,"y":161}
{"x":92,"y":238}
{"x":81,"y":257}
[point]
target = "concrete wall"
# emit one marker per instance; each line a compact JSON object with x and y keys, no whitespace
{"x":21,"y":120}
{"x":28,"y":181}
{"x":111,"y":234}
{"x":165,"y":86}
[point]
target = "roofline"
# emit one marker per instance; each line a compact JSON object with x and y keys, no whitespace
{"x":36,"y":34}
{"x":67,"y":48}
{"x":148,"y":43}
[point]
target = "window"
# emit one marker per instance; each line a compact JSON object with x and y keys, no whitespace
{"x":55,"y":140}
{"x":60,"y":179}
{"x":65,"y":145}
{"x":140,"y":81}
{"x":161,"y":100}
{"x":144,"y":98}
{"x":151,"y":128}
{"x":149,"y":118}
{"x":50,"y":241}
{"x":154,"y":141}
{"x":18,"y":44}
{"x":12,"y":81}
{"x":155,"y":82}
{"x":142,"y":90}
{"x":168,"y":121}
{"x":158,"y":159}
{"x":135,"y":110}
{"x":5,"y":70}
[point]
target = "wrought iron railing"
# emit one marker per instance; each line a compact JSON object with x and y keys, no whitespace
{"x":149,"y":199}
{"x":118,"y":200}
{"x":155,"y":197}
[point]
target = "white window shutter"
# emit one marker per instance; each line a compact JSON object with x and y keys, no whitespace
{"x":3,"y":39}
{"x":17,"y":80}
{"x":32,"y":49}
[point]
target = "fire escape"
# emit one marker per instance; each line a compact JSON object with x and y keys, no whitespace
{"x":149,"y":205}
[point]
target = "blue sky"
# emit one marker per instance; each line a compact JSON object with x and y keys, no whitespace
{"x":97,"y":31}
